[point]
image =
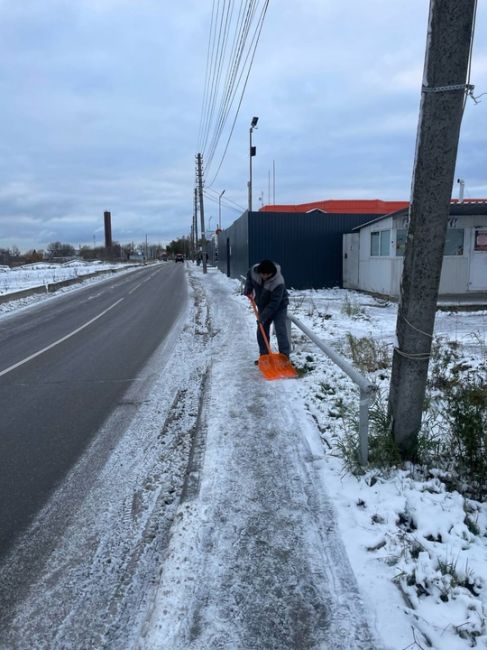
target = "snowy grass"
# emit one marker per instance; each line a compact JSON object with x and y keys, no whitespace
{"x":44,"y":273}
{"x":421,"y":528}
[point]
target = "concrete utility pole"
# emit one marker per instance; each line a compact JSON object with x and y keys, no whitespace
{"x":442,"y":101}
{"x":199,"y":176}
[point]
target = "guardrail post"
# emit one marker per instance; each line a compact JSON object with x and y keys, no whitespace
{"x":364,"y":427}
{"x":366,"y":387}
{"x":289,"y":337}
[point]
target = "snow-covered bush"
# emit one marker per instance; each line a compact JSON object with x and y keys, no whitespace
{"x":466,"y":412}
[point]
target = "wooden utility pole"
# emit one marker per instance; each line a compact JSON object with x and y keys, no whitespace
{"x":442,"y":102}
{"x":199,"y":176}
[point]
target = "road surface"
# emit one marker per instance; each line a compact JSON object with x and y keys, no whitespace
{"x":63,"y":368}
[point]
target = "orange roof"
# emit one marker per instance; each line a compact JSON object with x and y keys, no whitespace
{"x":345,"y":206}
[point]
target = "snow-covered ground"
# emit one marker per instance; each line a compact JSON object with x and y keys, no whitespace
{"x":43,"y":273}
{"x":267,"y":541}
{"x":419,"y":562}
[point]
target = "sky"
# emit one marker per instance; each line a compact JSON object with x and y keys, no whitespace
{"x":102,"y":104}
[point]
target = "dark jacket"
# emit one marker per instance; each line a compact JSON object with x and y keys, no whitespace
{"x":270,"y":296}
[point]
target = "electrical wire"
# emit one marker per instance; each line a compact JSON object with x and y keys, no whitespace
{"x":237,"y":54}
{"x":210,"y":75}
{"x":256,"y":41}
{"x":213,"y":196}
{"x":203,"y":104}
{"x":229,"y":63}
{"x":221,"y":41}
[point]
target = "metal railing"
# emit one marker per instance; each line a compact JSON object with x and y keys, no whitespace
{"x":367,"y":389}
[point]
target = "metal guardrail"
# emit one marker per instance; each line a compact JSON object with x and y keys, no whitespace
{"x":367,"y":389}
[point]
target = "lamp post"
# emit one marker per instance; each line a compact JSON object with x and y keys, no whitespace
{"x":252,"y":152}
{"x":220,"y":209}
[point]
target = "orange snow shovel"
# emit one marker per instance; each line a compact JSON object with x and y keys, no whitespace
{"x":273,"y":365}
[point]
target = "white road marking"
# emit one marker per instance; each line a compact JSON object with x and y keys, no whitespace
{"x":136,"y":287}
{"x":64,"y":338}
{"x":144,"y":281}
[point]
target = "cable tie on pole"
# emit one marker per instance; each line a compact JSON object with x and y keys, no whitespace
{"x":420,"y":356}
{"x":468,"y":88}
{"x":416,"y":329}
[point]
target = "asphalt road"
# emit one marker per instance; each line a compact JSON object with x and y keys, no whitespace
{"x":64,"y":366}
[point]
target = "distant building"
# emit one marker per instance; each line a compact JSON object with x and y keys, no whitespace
{"x":373,"y":253}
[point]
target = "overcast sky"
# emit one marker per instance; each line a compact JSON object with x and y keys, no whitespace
{"x":101,"y":102}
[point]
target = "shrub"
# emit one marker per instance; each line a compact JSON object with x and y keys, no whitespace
{"x":352,"y":308}
{"x":466,"y":411}
{"x":368,"y":354}
{"x":444,"y":364}
{"x":383,"y":451}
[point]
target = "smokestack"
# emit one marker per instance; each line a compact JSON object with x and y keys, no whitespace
{"x":108,"y":229}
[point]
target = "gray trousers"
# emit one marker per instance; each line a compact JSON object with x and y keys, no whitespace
{"x":280,"y":326}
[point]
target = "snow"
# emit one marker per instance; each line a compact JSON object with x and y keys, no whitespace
{"x":43,"y":273}
{"x":267,"y":541}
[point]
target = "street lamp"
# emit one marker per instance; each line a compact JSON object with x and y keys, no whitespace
{"x":252,"y":152}
{"x":220,"y":209}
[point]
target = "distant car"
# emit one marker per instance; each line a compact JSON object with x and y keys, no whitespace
{"x":179,"y":257}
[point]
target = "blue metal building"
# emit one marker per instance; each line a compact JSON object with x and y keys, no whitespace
{"x":307,"y":245}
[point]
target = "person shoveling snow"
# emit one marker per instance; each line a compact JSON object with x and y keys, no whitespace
{"x":266,"y":289}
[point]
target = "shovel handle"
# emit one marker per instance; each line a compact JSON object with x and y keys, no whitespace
{"x":261,"y":327}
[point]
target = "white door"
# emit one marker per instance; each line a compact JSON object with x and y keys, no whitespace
{"x":478,"y":260}
{"x":351,"y":242}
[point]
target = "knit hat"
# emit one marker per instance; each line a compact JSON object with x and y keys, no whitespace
{"x":266,"y":266}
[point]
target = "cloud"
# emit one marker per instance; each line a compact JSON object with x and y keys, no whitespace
{"x":103,"y":98}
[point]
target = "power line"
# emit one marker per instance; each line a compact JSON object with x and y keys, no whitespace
{"x":236,"y":61}
{"x":242,"y":94}
{"x":218,"y":54}
{"x":207,"y":75}
{"x":228,"y":203}
{"x":245,"y":20}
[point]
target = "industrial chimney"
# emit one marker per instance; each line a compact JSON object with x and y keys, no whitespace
{"x":108,"y":229}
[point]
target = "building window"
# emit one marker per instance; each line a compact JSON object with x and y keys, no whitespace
{"x":380,"y":242}
{"x":481,"y":240}
{"x":375,"y":244}
{"x":401,"y":236}
{"x":454,"y":241}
